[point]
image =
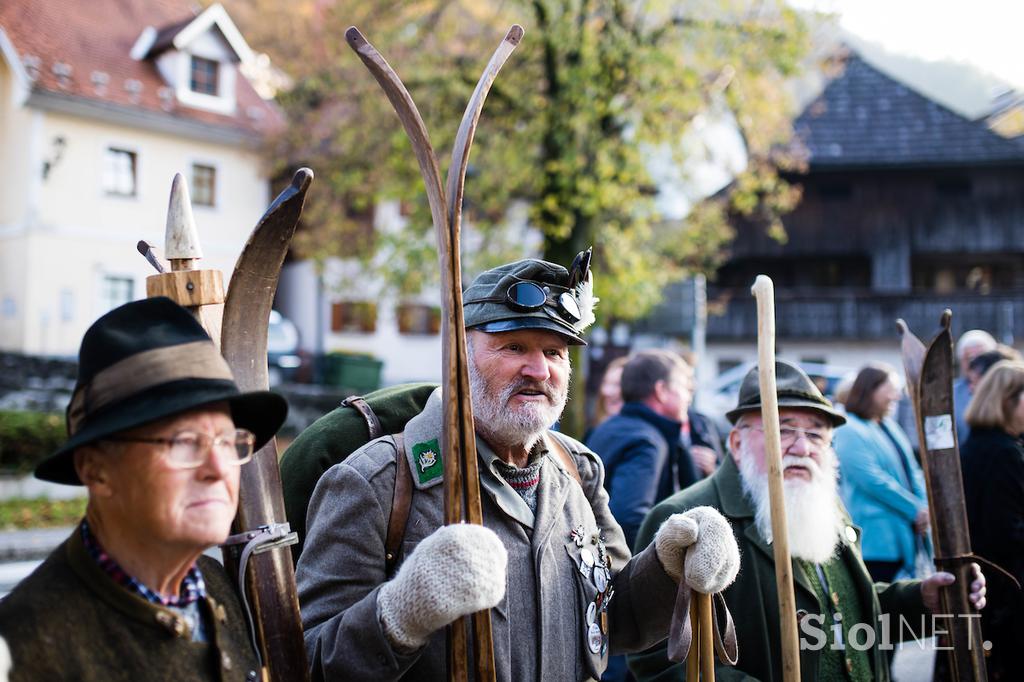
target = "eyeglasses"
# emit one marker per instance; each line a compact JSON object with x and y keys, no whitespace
{"x":190,"y":450}
{"x":527,"y":296}
{"x":790,"y":434}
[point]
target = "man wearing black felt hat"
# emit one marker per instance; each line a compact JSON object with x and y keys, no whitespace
{"x":550,"y":560}
{"x":158,"y":432}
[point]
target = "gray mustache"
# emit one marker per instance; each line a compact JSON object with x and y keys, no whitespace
{"x":522,"y":384}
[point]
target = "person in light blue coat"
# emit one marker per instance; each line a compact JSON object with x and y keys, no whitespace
{"x":880,"y":481}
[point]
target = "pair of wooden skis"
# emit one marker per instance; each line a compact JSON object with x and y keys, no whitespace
{"x":461,"y":482}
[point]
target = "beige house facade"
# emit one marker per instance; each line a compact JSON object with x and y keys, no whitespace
{"x":98,"y":110}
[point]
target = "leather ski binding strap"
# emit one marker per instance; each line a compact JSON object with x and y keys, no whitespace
{"x":262,"y":539}
{"x":680,"y":635}
{"x":951,"y":561}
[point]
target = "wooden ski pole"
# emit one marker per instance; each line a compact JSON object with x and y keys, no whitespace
{"x":764,"y":292}
{"x":693,"y":660}
{"x":706,"y":645}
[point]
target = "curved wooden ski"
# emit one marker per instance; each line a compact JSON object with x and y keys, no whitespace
{"x":457,"y":360}
{"x":930,"y":382}
{"x":462,"y":492}
{"x":455,"y":187}
{"x":467,"y":128}
{"x":409,"y":115}
{"x":270,"y":575}
{"x":913,"y":352}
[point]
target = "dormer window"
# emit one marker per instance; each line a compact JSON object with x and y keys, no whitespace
{"x":198,"y":59}
{"x":203,"y":76}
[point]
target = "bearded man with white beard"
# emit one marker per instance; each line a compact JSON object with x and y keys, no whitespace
{"x":550,"y":561}
{"x":839,"y":611}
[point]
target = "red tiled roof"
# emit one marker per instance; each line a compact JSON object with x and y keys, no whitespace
{"x":98,"y":37}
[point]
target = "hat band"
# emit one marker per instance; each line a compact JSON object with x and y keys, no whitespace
{"x":142,"y":371}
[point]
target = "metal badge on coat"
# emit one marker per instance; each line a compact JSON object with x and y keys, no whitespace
{"x":600,"y":578}
{"x":594,"y":638}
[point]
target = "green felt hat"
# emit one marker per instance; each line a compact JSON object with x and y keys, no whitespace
{"x":794,"y":389}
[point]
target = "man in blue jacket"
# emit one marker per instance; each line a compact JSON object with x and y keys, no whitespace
{"x":642,"y":449}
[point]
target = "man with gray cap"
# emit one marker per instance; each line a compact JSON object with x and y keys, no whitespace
{"x":549,"y":561}
{"x":158,"y":433}
{"x":839,"y":610}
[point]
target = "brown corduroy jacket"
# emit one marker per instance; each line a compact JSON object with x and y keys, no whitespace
{"x":69,"y":620}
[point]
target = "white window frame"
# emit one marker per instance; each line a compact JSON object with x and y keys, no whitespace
{"x":223,"y":102}
{"x":102,"y":300}
{"x":216,"y":75}
{"x":217,"y":177}
{"x":128,"y":149}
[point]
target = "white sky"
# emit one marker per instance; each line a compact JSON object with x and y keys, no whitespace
{"x":986,"y":33}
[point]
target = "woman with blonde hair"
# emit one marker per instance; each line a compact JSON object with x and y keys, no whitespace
{"x":993,"y":470}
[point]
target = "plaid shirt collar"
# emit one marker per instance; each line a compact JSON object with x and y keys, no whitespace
{"x":192,"y":587}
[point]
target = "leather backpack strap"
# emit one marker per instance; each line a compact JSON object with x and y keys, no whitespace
{"x":564,"y":457}
{"x":373,"y":424}
{"x":401,"y":503}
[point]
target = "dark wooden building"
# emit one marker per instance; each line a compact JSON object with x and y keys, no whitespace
{"x":907,"y":208}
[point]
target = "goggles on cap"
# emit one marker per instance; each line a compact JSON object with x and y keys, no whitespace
{"x":527,"y":296}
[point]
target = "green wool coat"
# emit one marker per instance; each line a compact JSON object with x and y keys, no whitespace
{"x":753,"y":598}
{"x":70,"y":621}
{"x":334,"y":437}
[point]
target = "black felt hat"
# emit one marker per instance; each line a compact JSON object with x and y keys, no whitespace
{"x":145,"y":361}
{"x":794,"y":389}
{"x":490,"y":303}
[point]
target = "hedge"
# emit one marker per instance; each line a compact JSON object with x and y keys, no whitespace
{"x":28,"y":437}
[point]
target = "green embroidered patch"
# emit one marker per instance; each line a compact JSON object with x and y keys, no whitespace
{"x":427,"y":459}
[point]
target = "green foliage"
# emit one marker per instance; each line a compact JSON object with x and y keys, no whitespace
{"x":28,"y":437}
{"x":568,"y":129}
{"x":40,"y":513}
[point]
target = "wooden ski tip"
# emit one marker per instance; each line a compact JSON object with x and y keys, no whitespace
{"x":762,"y":283}
{"x":354,"y":37}
{"x":302,"y":178}
{"x":181,"y":239}
{"x":515,"y":34}
{"x":947,"y":319}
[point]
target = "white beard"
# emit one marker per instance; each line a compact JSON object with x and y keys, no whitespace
{"x":502,"y":425}
{"x":813,"y":517}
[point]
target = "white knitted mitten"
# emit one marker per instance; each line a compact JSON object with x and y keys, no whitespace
{"x":713,"y":559}
{"x":454,"y":571}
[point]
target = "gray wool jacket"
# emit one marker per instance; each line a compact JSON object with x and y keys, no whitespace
{"x":540,"y":627}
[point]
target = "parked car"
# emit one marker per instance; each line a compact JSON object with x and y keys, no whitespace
{"x":283,"y":356}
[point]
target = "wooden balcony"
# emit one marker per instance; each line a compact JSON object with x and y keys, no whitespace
{"x":837,"y":314}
